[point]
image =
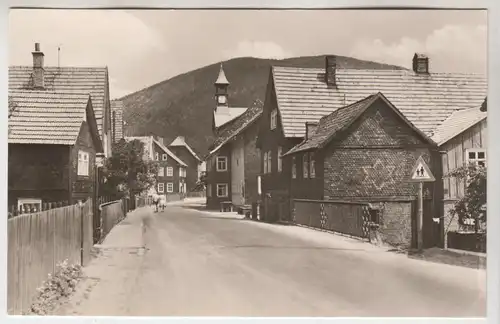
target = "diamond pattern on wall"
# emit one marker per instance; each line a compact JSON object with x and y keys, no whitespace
{"x":378,"y":174}
{"x":323,"y":216}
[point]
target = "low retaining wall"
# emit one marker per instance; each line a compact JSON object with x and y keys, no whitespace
{"x":467,"y":241}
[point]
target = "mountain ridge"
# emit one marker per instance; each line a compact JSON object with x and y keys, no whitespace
{"x":183,"y":104}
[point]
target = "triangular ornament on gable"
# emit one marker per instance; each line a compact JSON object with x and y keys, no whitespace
{"x":421,"y":172}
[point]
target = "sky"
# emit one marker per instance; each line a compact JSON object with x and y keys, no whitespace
{"x":144,"y":47}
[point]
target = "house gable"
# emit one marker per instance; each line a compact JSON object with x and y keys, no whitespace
{"x":379,"y":125}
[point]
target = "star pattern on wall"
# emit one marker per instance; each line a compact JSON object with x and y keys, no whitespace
{"x":378,"y":174}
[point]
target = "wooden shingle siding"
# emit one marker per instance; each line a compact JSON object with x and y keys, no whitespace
{"x":473,"y":138}
{"x":117,"y":113}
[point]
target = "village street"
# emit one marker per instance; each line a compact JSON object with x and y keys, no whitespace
{"x":198,"y":263}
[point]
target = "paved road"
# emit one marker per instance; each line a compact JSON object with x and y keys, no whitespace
{"x":201,"y":264}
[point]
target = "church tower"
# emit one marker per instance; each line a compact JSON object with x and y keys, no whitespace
{"x":221,"y":86}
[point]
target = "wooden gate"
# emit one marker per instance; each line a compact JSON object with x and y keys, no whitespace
{"x":430,"y":230}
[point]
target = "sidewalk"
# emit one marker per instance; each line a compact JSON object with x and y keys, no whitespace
{"x":115,"y":263}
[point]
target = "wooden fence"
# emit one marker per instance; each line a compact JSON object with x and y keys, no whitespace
{"x":37,"y":242}
{"x":15,"y":210}
{"x":349,"y":218}
{"x":111,"y":214}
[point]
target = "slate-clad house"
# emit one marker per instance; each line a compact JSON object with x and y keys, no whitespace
{"x":182,"y":150}
{"x":462,"y":139}
{"x":362,"y":152}
{"x":53,"y":140}
{"x":171,"y":178}
{"x":233,"y":163}
{"x":296,"y":96}
{"x":117,"y":120}
{"x":69,"y":80}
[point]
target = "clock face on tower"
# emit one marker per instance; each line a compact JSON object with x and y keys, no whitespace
{"x":221,"y":99}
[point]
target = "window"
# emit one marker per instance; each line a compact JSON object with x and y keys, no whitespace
{"x":274,"y":118}
{"x":182,"y":172}
{"x":221,"y":163}
{"x":269,"y":162}
{"x":280,"y":159}
{"x":294,"y":168}
{"x":164,"y":157}
{"x":209,"y":190}
{"x":170,"y":172}
{"x":29,"y":205}
{"x":222,"y":190}
{"x":161,"y":172}
{"x":161,"y":187}
{"x":265,"y":162}
{"x":157,"y":156}
{"x":312,"y":166}
{"x":83,"y":163}
{"x":170,"y":187}
{"x":305,"y":165}
{"x":476,"y":156}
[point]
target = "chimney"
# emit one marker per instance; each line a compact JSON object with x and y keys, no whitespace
{"x":330,"y":70}
{"x":113,"y":131}
{"x":38,"y":69}
{"x":420,"y":64}
{"x":484,"y":105}
{"x":310,"y":129}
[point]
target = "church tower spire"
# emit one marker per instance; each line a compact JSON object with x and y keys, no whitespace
{"x":221,"y":86}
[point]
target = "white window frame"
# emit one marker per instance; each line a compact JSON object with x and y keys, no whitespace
{"x":170,"y":187}
{"x":161,"y":171}
{"x":305,"y":165}
{"x":83,"y":168}
{"x":476,"y":160}
{"x":164,"y":157}
{"x":170,"y":171}
{"x":274,"y":118}
{"x":312,"y":166}
{"x":222,"y":185}
{"x":29,"y":201}
{"x":269,"y":162}
{"x":280,"y":159}
{"x":160,"y":187}
{"x":221,"y":159}
{"x":294,"y":168}
{"x":157,"y":156}
{"x":265,"y":162}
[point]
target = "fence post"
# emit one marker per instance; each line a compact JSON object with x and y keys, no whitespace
{"x":82,"y":232}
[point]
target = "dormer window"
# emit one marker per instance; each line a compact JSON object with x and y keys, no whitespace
{"x":274,"y":118}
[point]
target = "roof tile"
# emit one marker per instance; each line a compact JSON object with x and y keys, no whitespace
{"x":68,"y":80}
{"x":426,"y":100}
{"x":42,"y":117}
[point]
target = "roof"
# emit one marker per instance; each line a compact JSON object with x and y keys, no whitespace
{"x":224,"y":115}
{"x":181,"y":141}
{"x":43,"y":117}
{"x":234,"y":128}
{"x":341,"y":119}
{"x":457,"y":123}
{"x":170,"y":153}
{"x":221,"y":79}
{"x":426,"y":100}
{"x":117,"y":108}
{"x":68,"y":80}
